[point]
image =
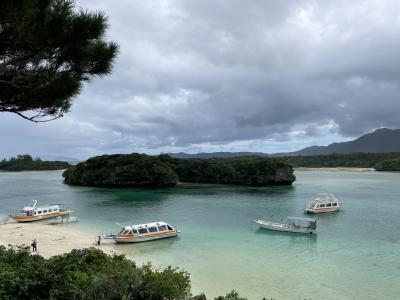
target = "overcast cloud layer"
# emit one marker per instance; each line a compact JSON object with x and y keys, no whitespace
{"x":232,"y":75}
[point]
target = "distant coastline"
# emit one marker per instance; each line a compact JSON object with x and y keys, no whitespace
{"x":26,"y":162}
{"x":335,"y":169}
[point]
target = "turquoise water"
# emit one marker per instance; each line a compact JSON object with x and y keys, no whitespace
{"x":356,"y":254}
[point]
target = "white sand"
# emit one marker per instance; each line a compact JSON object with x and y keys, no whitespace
{"x":51,"y":239}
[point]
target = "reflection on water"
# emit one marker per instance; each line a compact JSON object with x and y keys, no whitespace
{"x":357,"y":249}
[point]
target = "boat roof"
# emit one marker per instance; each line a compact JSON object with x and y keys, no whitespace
{"x":301,"y":219}
{"x":138,"y":226}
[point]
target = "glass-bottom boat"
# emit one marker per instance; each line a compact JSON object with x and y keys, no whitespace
{"x":31,"y":213}
{"x":144,"y":232}
{"x":324,"y":203}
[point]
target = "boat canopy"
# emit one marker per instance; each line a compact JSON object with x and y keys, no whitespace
{"x":302,"y":222}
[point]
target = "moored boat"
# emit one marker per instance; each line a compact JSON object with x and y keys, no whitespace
{"x":63,"y":220}
{"x":299,"y":225}
{"x":144,"y":232}
{"x":324,"y":203}
{"x":31,"y":212}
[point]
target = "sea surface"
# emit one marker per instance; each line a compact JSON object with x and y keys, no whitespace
{"x":355,"y":255}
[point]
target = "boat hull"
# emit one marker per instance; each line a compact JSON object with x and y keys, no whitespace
{"x":27,"y":219}
{"x":144,"y":238}
{"x":322,"y":210}
{"x":283,"y":227}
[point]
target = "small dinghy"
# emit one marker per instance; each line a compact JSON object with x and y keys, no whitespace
{"x":299,"y":225}
{"x":322,"y":204}
{"x":63,"y":220}
{"x":143,"y":233}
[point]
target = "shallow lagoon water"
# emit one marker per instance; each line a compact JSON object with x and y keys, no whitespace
{"x":355,"y":255}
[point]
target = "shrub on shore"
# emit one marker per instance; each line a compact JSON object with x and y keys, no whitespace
{"x":89,"y":274}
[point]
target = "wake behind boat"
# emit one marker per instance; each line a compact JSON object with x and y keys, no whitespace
{"x":143,"y":233}
{"x":299,"y":225}
{"x":31,"y":213}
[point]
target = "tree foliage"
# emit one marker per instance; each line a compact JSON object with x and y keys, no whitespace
{"x":140,"y":170}
{"x":354,"y":160}
{"x":122,"y":170}
{"x":389,"y":165}
{"x":47,"y":50}
{"x":25,"y":162}
{"x":85,"y":274}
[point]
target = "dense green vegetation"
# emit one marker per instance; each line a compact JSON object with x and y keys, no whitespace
{"x":354,"y":160}
{"x":246,"y":170}
{"x":48,"y":49}
{"x":89,"y":274}
{"x":140,"y":170}
{"x":122,"y":170}
{"x":389,"y":165}
{"x":27,"y":163}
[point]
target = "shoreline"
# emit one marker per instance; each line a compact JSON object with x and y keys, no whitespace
{"x":335,"y":169}
{"x":51,"y":239}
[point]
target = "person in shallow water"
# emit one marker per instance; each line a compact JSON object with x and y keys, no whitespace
{"x":34,"y":244}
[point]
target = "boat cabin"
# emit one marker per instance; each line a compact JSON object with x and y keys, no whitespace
{"x":308,"y":223}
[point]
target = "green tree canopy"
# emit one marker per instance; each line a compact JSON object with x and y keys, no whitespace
{"x":47,"y":50}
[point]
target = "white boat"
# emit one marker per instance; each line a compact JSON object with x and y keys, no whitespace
{"x":31,"y":212}
{"x":62,"y":220}
{"x":299,"y":225}
{"x":144,"y":232}
{"x":326,"y":202}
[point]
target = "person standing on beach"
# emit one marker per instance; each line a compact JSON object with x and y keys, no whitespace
{"x":98,"y":240}
{"x":34,"y":244}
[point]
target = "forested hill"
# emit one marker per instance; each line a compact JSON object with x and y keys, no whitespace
{"x":141,"y":170}
{"x":380,"y":141}
{"x":27,"y":163}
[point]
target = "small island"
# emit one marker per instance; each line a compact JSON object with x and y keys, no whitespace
{"x":141,"y":170}
{"x":25,"y":162}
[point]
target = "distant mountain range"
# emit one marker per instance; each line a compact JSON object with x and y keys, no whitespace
{"x":380,"y":141}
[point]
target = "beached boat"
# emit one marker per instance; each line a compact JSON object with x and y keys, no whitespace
{"x":299,"y":225}
{"x":31,"y":213}
{"x":324,"y":203}
{"x":63,"y":220}
{"x":144,"y":232}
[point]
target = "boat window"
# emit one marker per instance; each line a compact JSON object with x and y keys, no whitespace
{"x":328,"y":205}
{"x":50,"y":210}
{"x":162,"y":228}
{"x":152,"y":229}
{"x":126,"y":231}
{"x":134,"y":231}
{"x":35,"y":213}
{"x":142,"y":230}
{"x":322,"y":205}
{"x":39,"y":212}
{"x":334,"y":204}
{"x":45,"y":211}
{"x":169,"y":227}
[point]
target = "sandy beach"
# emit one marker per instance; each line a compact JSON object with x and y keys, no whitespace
{"x":337,"y":169}
{"x":51,"y":239}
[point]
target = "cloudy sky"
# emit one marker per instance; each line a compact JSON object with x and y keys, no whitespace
{"x":198,"y":75}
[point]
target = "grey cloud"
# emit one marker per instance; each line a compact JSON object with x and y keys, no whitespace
{"x":206,"y":75}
